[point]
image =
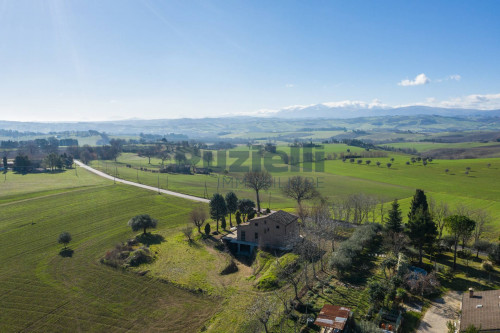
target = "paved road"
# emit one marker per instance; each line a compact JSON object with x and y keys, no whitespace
{"x":151,"y":188}
{"x":442,"y":310}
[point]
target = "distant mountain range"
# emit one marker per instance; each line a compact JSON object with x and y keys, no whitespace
{"x":298,"y":118}
{"x":355,"y":111}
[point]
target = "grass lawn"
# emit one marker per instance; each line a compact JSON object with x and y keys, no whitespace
{"x":42,"y":291}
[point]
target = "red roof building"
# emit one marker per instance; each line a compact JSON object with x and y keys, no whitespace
{"x":333,"y":318}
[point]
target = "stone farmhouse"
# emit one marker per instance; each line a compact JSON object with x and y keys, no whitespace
{"x":277,"y":230}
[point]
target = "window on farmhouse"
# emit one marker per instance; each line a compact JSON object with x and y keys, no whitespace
{"x":256,"y":236}
{"x":243,"y":236}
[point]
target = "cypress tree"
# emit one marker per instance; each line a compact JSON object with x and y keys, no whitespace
{"x":394,"y":222}
{"x":422,"y":230}
{"x":223,"y":223}
{"x":419,"y":201}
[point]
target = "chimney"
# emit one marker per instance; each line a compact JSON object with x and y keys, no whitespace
{"x":471,"y":293}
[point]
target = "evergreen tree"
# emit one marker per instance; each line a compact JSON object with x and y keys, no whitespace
{"x":232,"y":205}
{"x":218,"y":208}
{"x":238,"y":217}
{"x":419,"y":201}
{"x":207,"y":229}
{"x":394,"y":222}
{"x":223,"y":223}
{"x":422,"y":230}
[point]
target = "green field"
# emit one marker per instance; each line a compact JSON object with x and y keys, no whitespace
{"x":480,"y":189}
{"x":425,"y":146}
{"x":41,"y":291}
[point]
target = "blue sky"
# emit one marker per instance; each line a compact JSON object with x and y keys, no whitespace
{"x":97,"y":60}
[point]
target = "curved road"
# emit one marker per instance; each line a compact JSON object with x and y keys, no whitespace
{"x":147,"y":187}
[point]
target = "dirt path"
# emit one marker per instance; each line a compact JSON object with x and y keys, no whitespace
{"x":442,"y":310}
{"x":147,"y":187}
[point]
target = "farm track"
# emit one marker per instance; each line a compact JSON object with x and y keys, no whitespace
{"x":147,"y":187}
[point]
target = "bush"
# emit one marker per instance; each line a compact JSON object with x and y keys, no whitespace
{"x":366,"y":327}
{"x":487,"y":266}
{"x":207,"y":229}
{"x":494,"y":254}
{"x":238,"y":217}
{"x":268,"y":282}
{"x":268,"y":211}
{"x":140,"y":256}
{"x":449,"y":273}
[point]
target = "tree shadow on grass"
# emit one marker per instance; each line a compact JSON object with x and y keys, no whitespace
{"x":66,"y":253}
{"x":150,"y":239}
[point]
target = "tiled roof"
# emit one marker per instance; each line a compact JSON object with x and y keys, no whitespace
{"x":481,"y":310}
{"x":279,"y":216}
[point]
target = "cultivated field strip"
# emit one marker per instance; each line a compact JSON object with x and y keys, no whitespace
{"x":41,"y":291}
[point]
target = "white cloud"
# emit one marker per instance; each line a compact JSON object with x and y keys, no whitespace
{"x":289,"y":85}
{"x":474,"y":101}
{"x":420,"y":79}
{"x":356,"y":104}
{"x":455,"y":77}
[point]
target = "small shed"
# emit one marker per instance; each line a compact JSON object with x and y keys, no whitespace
{"x":333,"y":319}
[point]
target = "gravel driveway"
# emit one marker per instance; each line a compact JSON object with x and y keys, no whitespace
{"x":442,"y":310}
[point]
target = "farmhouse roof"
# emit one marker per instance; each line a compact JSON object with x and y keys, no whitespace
{"x":481,"y":310}
{"x":333,"y":316}
{"x":279,"y":216}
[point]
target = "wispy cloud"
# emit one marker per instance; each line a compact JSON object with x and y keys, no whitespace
{"x":474,"y":101}
{"x":290,"y":85}
{"x":419,"y":80}
{"x":455,"y":77}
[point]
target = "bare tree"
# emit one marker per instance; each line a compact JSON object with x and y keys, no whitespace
{"x":262,"y":310}
{"x":382,"y":210}
{"x":397,"y":241}
{"x":482,"y":219}
{"x":303,"y":212}
{"x":300,"y":188}
{"x":439,"y":212}
{"x":288,"y":273}
{"x":198,"y":215}
{"x":258,"y":180}
{"x":423,"y":284}
{"x":188,"y":232}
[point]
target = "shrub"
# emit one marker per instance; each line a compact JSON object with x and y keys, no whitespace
{"x":223,"y":223}
{"x":268,"y":282}
{"x":238,"y":217}
{"x":207,"y":229}
{"x":487,"y":266}
{"x":494,"y":254}
{"x":140,"y":256}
